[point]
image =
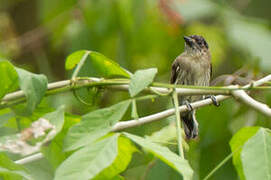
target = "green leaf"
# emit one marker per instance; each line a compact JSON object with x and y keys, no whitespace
{"x":10,"y":171}
{"x":90,"y":160}
{"x":54,"y":152}
{"x":171,"y":159}
{"x":140,"y":80}
{"x":94,"y":125}
{"x":5,"y":115}
{"x":74,"y":58}
{"x":9,"y":78}
{"x":56,"y":118}
{"x":125,"y":152}
{"x":164,"y":135}
{"x":236,"y":143}
{"x":40,"y":169}
{"x":256,"y":156}
{"x":105,"y":66}
{"x":118,"y":178}
{"x":34,"y":87}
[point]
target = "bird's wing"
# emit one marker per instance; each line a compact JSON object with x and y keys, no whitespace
{"x":175,"y":69}
{"x":211,"y":71}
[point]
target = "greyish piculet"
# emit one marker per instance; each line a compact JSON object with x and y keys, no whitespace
{"x":192,"y":67}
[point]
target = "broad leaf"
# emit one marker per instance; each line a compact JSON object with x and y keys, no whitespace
{"x":5,"y":115}
{"x":34,"y":87}
{"x":73,"y":59}
{"x":89,"y":161}
{"x":56,"y":118}
{"x":140,"y":80}
{"x":173,"y":160}
{"x":103,"y":65}
{"x":9,"y":78}
{"x":118,"y":178}
{"x":10,"y":171}
{"x":237,"y":142}
{"x":256,"y":156}
{"x":94,"y":125}
{"x":166,"y":135}
{"x":40,"y":169}
{"x":54,"y":152}
{"x":125,"y":152}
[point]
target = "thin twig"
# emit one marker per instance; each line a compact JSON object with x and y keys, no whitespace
{"x":123,"y":84}
{"x":246,"y":99}
{"x":164,"y":114}
{"x":30,"y":158}
{"x":147,"y":119}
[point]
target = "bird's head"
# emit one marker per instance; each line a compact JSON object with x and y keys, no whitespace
{"x":196,"y":45}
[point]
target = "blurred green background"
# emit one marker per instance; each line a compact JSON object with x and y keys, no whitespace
{"x":38,"y":35}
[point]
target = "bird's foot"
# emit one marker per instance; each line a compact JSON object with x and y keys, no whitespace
{"x":214,"y":100}
{"x":188,"y":105}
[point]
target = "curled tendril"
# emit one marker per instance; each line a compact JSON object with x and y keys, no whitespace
{"x":73,"y":85}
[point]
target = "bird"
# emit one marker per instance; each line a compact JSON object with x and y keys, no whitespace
{"x":192,"y":67}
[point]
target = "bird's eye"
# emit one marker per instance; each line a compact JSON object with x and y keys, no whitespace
{"x":199,"y":43}
{"x":205,"y":44}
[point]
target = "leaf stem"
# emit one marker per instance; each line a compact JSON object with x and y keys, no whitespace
{"x":219,"y":166}
{"x":178,"y":124}
{"x":80,"y":64}
{"x":222,"y":163}
{"x":146,"y":97}
{"x":134,"y":113}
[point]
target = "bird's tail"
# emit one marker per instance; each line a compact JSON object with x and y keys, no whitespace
{"x":190,"y":124}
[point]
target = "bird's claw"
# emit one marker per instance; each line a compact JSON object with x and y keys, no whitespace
{"x":188,"y":105}
{"x":214,"y":100}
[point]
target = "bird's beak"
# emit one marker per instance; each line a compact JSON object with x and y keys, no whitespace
{"x":188,"y":40}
